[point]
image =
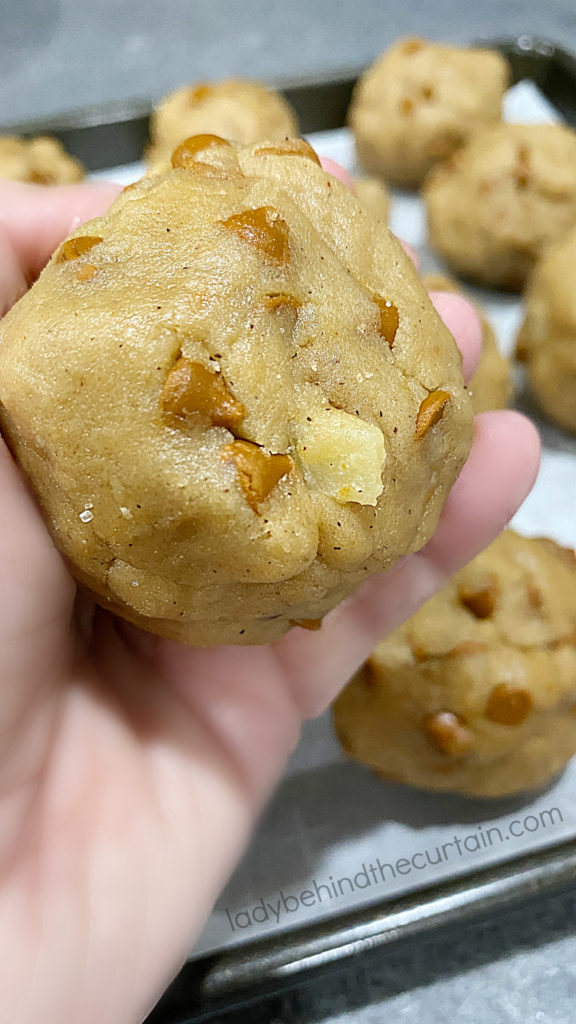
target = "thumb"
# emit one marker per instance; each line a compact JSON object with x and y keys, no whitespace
{"x":36,"y":599}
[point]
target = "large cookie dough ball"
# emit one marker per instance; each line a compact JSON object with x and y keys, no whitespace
{"x":499,"y":201}
{"x":491,"y":386}
{"x":476,"y":693}
{"x":41,"y":160}
{"x":242,"y":111}
{"x":244,"y":401}
{"x":547,"y":339}
{"x":420,"y":102}
{"x":374,"y":195}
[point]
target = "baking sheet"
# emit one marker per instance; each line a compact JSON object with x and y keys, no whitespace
{"x":335,"y":836}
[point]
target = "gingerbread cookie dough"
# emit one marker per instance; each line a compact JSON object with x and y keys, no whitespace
{"x":244,"y":400}
{"x":476,"y":693}
{"x":491,"y":386}
{"x":42,"y":160}
{"x":547,"y":339}
{"x":494,"y":207}
{"x":374,"y":195}
{"x":419,"y":102}
{"x":238,"y":110}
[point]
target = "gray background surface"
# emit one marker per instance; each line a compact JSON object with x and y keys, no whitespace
{"x":60,"y":54}
{"x":56,"y":55}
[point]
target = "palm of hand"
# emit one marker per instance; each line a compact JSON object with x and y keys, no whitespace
{"x":131,"y":768}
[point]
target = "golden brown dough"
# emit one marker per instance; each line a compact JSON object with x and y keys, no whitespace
{"x":547,"y":339}
{"x":419,"y":102}
{"x":476,"y":693}
{"x":239,"y":110}
{"x":41,"y":160}
{"x":491,"y":386}
{"x":244,"y":401}
{"x":494,"y":207}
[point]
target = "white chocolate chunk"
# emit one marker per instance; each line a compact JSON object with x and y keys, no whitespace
{"x":341,"y":455}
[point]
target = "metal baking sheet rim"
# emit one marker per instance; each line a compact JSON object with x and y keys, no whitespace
{"x":222,"y":981}
{"x":115,"y":133}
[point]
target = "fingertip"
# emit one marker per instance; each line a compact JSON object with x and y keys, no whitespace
{"x":462,"y":320}
{"x":37,"y":218}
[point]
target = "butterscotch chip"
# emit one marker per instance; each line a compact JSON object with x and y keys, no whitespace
{"x":85,"y":272}
{"x":221,"y":440}
{"x":480,"y":599}
{"x":419,"y":102}
{"x":75,"y":247}
{"x":546,"y":343}
{"x":187,"y":152}
{"x":265,"y":229}
{"x":475,"y":704}
{"x":447,"y":733}
{"x":509,"y":705}
{"x":491,"y":386}
{"x":389,"y":319}
{"x":42,"y":161}
{"x":199,"y":93}
{"x":289,"y":147}
{"x":258,"y":471}
{"x":489,"y":218}
{"x":192,"y":391}
{"x":242,"y":111}
{"x":281,"y":300}
{"x":430,"y":412}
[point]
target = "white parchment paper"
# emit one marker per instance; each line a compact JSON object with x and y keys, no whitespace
{"x":336,"y":836}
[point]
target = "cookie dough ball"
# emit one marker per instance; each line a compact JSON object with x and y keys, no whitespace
{"x":476,"y":693}
{"x":420,"y":102}
{"x":547,"y":339}
{"x":374,"y":195}
{"x":244,"y":401}
{"x":42,"y":160}
{"x":491,"y":386}
{"x":498,"y":202}
{"x":242,"y":111}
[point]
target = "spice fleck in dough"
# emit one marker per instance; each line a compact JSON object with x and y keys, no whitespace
{"x":42,"y":160}
{"x":240,"y":110}
{"x":494,"y":207}
{"x":547,"y":340}
{"x":419,"y":102}
{"x":231,"y":375}
{"x":476,"y":693}
{"x":491,"y":386}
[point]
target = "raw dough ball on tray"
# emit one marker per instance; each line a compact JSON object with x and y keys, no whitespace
{"x":42,"y":160}
{"x":547,"y":339}
{"x":374,"y":195}
{"x":240,"y":110}
{"x":476,"y":693}
{"x":244,"y":402}
{"x":491,"y":386}
{"x":419,"y":102}
{"x":494,"y":207}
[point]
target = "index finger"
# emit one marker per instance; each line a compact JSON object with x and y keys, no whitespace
{"x":34,"y":219}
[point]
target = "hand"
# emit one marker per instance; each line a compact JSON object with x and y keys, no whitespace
{"x":132,"y":769}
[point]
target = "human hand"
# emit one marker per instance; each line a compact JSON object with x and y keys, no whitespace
{"x":132,"y":769}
